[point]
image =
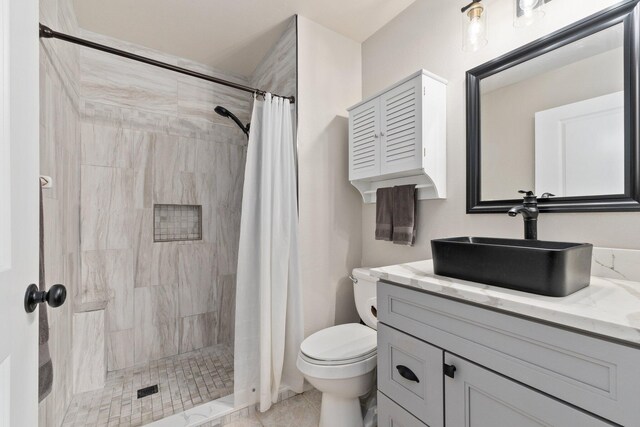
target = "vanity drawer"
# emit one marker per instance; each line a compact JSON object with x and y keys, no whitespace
{"x":390,"y":414}
{"x":598,"y":376}
{"x":410,"y":371}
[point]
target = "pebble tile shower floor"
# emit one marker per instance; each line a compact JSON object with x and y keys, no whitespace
{"x":184,"y":381}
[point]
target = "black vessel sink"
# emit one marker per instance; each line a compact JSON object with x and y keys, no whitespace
{"x":547,"y":268}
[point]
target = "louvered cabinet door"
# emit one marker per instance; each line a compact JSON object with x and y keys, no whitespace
{"x":401,"y":128}
{"x":364,"y":140}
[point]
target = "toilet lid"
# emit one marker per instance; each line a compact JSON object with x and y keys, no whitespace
{"x":342,"y":342}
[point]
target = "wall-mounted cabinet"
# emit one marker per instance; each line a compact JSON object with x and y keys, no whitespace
{"x":398,"y":137}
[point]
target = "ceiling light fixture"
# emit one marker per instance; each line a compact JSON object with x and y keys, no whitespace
{"x":474,"y":26}
{"x":527,"y":12}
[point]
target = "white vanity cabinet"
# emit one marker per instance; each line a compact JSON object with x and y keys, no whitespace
{"x":472,"y":366}
{"x":399,"y":137}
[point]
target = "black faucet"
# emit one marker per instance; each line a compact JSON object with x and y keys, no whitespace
{"x":530,"y":212}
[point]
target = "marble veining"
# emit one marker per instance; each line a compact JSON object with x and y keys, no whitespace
{"x":89,"y":368}
{"x":609,"y":307}
{"x":60,"y":159}
{"x":106,"y":146}
{"x":122,"y":82}
{"x":198,"y":331}
{"x":277,"y":72}
{"x":156,"y":323}
{"x":119,"y":349}
{"x":616,"y":264}
{"x":150,"y":137}
{"x":197,"y":278}
{"x":108,"y":276}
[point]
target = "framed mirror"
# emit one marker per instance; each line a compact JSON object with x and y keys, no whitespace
{"x":559,"y":115}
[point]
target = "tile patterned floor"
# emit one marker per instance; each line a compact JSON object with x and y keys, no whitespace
{"x":184,"y":381}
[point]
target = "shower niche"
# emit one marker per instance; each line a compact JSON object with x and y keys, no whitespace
{"x":177,"y":223}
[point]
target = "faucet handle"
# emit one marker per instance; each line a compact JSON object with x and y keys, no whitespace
{"x":547,"y":195}
{"x":528,"y":193}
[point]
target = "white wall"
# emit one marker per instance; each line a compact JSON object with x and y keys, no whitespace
{"x":329,"y":70}
{"x":428,"y":35}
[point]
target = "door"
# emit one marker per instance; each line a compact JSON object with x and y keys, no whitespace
{"x":579,"y":148}
{"x":19,"y":123}
{"x":364,"y":140}
{"x":401,"y":127}
{"x":478,"y":397}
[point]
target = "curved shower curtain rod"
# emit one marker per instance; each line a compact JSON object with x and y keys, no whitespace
{"x":48,"y":33}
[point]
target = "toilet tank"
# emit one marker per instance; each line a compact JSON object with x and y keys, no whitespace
{"x":364,"y":292}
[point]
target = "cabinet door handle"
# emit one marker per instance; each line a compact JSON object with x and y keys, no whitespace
{"x":449,"y":370}
{"x":375,"y":135}
{"x":407,"y":373}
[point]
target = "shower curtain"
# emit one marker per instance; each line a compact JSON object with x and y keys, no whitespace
{"x":269,"y":324}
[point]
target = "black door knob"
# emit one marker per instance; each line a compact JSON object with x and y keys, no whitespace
{"x":55,"y":297}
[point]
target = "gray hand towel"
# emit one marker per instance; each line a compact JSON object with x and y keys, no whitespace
{"x":45,"y":367}
{"x":384,"y":213}
{"x":404,"y":214}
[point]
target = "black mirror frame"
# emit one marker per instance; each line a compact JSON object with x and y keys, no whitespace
{"x":627,"y":12}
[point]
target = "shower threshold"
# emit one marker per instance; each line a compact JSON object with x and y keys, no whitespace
{"x":190,"y":386}
{"x":201,"y":414}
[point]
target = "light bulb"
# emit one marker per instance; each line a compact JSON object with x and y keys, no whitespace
{"x":527,"y":6}
{"x":475,"y":30}
{"x":475,"y":27}
{"x":527,"y":12}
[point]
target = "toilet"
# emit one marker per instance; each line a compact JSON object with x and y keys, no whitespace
{"x":340,"y":361}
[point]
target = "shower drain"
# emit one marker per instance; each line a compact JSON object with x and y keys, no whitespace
{"x":147,"y":391}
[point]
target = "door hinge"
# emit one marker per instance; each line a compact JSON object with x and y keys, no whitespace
{"x":449,"y":370}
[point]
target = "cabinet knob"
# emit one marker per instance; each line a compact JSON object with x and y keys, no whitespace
{"x":407,"y":373}
{"x":449,"y":370}
{"x":381,"y":133}
{"x":375,"y":135}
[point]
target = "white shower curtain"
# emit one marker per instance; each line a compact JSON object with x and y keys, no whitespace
{"x":269,"y":324}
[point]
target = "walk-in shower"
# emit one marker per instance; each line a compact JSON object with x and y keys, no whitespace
{"x":147,"y":204}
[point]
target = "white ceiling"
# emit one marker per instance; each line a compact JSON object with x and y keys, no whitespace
{"x":232,"y":35}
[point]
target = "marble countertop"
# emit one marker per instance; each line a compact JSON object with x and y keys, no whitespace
{"x":608,"y":307}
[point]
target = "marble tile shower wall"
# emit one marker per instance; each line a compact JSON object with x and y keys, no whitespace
{"x":60,"y":159}
{"x":150,"y":137}
{"x":277,"y":72}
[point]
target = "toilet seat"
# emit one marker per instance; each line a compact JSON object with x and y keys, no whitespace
{"x":340,"y":344}
{"x":338,"y":362}
{"x":336,"y":372}
{"x":342,"y":351}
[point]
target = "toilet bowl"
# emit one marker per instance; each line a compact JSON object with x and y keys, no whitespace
{"x":340,"y":361}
